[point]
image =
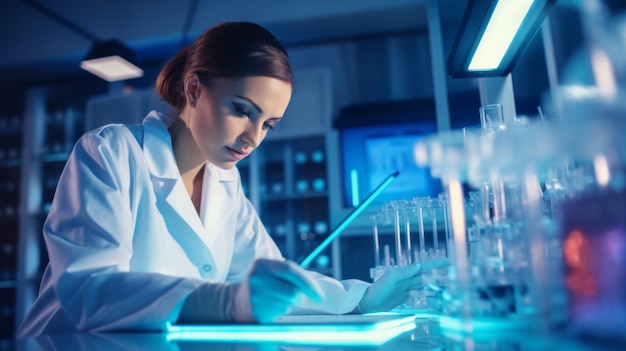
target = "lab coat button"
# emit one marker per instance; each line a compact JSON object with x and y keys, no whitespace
{"x":207,"y":268}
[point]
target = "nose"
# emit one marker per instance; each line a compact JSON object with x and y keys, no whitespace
{"x":253,"y":135}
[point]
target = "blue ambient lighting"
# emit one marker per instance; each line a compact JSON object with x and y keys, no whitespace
{"x":488,"y":324}
{"x":354,"y":185}
{"x":504,"y":23}
{"x":308,"y":259}
{"x":328,"y":333}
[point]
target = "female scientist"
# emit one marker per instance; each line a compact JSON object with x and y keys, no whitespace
{"x":149,"y":224}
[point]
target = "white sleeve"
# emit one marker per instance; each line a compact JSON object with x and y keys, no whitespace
{"x":338,"y":297}
{"x":89,"y":235}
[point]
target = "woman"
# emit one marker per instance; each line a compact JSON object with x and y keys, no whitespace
{"x":149,"y":224}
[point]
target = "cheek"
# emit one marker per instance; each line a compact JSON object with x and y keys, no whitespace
{"x":204,"y":130}
{"x":217,"y":123}
{"x":205,"y":125}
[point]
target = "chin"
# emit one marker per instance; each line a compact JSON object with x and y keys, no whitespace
{"x":226,"y":165}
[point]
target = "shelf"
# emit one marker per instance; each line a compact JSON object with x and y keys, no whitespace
{"x":55,"y":157}
{"x":43,"y":213}
{"x":10,"y":163}
{"x":8,"y":284}
{"x":13,"y":216}
{"x":4,"y":221}
{"x":10,"y":130}
{"x":294,"y":196}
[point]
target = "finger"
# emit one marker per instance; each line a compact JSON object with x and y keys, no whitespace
{"x":404,"y":272}
{"x":427,"y":266}
{"x":290,"y":272}
{"x":416,"y":284}
{"x":297,"y":276}
{"x":277,"y":289}
{"x":417,"y":269}
{"x":269,"y":310}
{"x":409,"y":283}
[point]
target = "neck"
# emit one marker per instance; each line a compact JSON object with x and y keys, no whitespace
{"x":186,"y":152}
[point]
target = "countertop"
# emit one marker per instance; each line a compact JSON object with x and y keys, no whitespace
{"x":426,"y":336}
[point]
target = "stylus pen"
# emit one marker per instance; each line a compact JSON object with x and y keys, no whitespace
{"x":310,"y":257}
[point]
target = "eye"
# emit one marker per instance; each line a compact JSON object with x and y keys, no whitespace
{"x":268,"y":126}
{"x":241,"y":110}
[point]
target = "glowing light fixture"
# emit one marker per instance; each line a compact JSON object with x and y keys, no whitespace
{"x":504,"y":22}
{"x":369,"y":329}
{"x":112,"y":61}
{"x":493,"y":34}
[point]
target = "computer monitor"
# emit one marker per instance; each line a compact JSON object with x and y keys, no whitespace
{"x":370,"y":153}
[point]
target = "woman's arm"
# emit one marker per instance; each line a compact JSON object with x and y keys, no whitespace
{"x":89,"y":235}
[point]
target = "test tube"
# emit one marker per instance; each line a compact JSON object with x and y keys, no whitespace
{"x":419,"y":204}
{"x":374,"y":220}
{"x":396,"y":230}
{"x":400,"y":221}
{"x":499,"y":202}
{"x":443,"y":200}
{"x":536,"y":238}
{"x":432,"y":207}
{"x":406,"y":211}
{"x":387,"y":256}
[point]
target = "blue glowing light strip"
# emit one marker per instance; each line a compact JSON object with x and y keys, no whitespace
{"x":308,"y":259}
{"x":354,"y":185}
{"x":323,"y":334}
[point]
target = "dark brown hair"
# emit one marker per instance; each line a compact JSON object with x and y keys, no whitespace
{"x":228,"y":50}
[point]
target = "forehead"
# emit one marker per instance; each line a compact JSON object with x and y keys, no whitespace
{"x":253,"y":85}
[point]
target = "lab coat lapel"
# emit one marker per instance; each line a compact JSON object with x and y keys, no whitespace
{"x":157,"y":148}
{"x":218,"y":199}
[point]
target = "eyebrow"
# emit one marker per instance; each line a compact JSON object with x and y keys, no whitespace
{"x":251,"y":103}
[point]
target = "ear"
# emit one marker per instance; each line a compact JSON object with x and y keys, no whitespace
{"x":192,"y":90}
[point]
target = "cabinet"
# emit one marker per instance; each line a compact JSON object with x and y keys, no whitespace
{"x":293,"y":196}
{"x":51,"y":126}
{"x":10,"y":168}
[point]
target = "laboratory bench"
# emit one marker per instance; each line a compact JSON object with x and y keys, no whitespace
{"x":427,"y":335}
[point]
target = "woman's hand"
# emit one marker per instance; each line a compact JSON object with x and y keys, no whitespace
{"x":274,"y":286}
{"x":269,"y":290}
{"x":393,"y":287}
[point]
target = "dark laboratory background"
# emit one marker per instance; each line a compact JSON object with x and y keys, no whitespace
{"x":365,"y":70}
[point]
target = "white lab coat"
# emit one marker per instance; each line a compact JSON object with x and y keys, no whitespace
{"x":127,"y":246}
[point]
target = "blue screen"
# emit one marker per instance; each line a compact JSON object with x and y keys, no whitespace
{"x":371,"y":153}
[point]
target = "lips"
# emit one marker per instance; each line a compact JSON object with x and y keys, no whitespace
{"x":236,"y":154}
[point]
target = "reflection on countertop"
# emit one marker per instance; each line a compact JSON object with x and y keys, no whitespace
{"x":427,"y":336}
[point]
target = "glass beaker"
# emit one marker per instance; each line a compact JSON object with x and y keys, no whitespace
{"x":491,"y":117}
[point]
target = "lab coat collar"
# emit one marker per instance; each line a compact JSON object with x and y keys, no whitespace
{"x":219,"y":185}
{"x":157,"y":147}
